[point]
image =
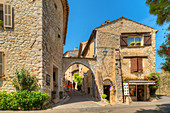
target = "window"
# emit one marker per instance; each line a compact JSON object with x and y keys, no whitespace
{"x":145,"y":39}
{"x":72,"y":54}
{"x":135,"y":39}
{"x":6,"y":14}
{"x":136,"y":65}
{"x":132,"y":89}
{"x":1,"y":64}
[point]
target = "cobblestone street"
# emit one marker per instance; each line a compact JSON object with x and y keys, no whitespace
{"x":79,"y":103}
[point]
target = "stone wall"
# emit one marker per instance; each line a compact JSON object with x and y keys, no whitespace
{"x":52,"y":43}
{"x":22,"y":45}
{"x":164,"y":84}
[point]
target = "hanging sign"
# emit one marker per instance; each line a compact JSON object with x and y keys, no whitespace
{"x":48,"y":80}
{"x":85,"y":74}
{"x":126,"y":88}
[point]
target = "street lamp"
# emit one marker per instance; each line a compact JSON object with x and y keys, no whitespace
{"x":105,"y":52}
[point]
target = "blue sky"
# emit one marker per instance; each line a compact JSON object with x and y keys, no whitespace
{"x":85,"y":15}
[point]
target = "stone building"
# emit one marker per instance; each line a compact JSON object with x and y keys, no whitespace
{"x":33,"y":35}
{"x":123,"y":48}
{"x":73,"y":68}
{"x":88,"y":81}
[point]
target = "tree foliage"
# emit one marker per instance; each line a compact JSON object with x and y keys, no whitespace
{"x":78,"y":78}
{"x":161,"y":9}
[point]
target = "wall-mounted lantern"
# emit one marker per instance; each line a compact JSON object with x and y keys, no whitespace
{"x":105,"y":52}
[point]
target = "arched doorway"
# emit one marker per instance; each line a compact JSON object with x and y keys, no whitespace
{"x":106,"y":88}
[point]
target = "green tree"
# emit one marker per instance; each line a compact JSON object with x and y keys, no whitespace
{"x":161,"y":9}
{"x":77,"y":78}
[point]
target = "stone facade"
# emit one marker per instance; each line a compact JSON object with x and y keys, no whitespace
{"x":73,"y":68}
{"x":116,"y":62}
{"x":35,"y":41}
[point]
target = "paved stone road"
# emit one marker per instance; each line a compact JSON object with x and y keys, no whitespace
{"x":83,"y":104}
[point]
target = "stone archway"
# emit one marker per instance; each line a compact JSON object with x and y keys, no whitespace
{"x":88,"y":62}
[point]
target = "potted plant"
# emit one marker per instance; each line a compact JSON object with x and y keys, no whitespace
{"x":138,"y":44}
{"x":104,"y":96}
{"x":54,"y":94}
{"x":1,"y":23}
{"x":132,"y":43}
{"x":61,"y":94}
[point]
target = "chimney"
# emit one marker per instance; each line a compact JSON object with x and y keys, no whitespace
{"x":107,"y":21}
{"x":76,"y":48}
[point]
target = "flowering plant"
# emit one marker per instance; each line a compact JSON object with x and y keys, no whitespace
{"x":153,"y":77}
{"x":25,"y":80}
{"x":164,"y":52}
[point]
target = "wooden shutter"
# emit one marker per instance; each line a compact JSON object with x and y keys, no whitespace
{"x":123,"y":40}
{"x":7,"y":15}
{"x":1,"y":65}
{"x":147,"y":40}
{"x":134,"y":65}
{"x":140,"y":67}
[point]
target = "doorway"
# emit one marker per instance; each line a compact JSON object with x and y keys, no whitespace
{"x":140,"y":92}
{"x":107,"y":91}
{"x":55,"y":81}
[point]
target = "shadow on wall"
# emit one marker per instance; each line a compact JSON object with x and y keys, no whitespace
{"x":164,"y":108}
{"x":1,"y":82}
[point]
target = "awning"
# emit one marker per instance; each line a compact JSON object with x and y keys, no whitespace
{"x":140,"y":82}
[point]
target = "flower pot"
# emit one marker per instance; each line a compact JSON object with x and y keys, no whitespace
{"x":53,"y":96}
{"x":61,"y":96}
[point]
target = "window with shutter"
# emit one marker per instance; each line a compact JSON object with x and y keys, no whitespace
{"x":140,"y":67}
{"x":134,"y":65}
{"x":7,"y":15}
{"x":124,"y":40}
{"x":147,"y":40}
{"x":1,"y":65}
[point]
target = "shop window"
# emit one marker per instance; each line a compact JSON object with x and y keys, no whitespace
{"x":6,"y":15}
{"x":132,"y":89}
{"x":136,"y":65}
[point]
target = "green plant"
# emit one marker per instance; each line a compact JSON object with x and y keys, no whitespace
{"x":78,"y":78}
{"x":138,"y":43}
{"x":161,"y":9}
{"x":104,"y":96}
{"x":132,"y":43}
{"x":107,"y":101}
{"x":153,"y":77}
{"x":25,"y":81}
{"x":22,"y":100}
{"x":61,"y":92}
{"x":1,"y":23}
{"x":54,"y":92}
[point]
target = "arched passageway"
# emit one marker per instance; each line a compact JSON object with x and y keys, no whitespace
{"x":88,"y":83}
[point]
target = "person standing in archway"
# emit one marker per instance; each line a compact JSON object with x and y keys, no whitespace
{"x":71,"y":86}
{"x":74,"y":85}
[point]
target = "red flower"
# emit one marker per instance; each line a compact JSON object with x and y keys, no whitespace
{"x":34,"y":75}
{"x":160,"y":46}
{"x":168,"y":47}
{"x":27,"y":71}
{"x":32,"y":70}
{"x":164,"y":36}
